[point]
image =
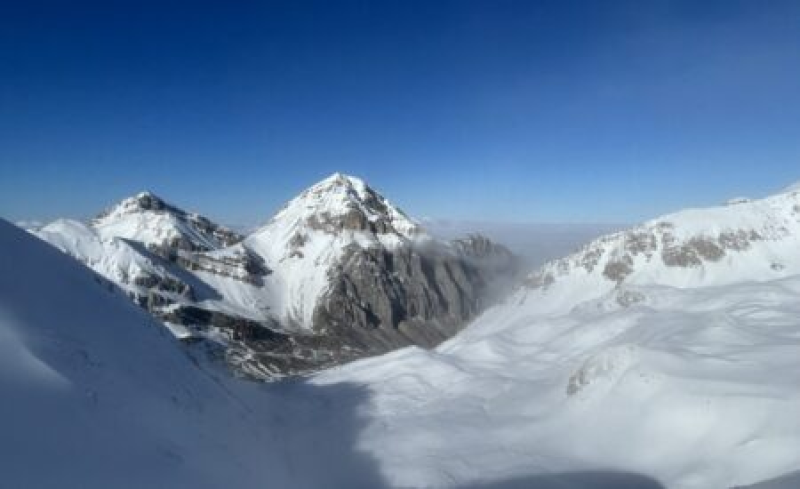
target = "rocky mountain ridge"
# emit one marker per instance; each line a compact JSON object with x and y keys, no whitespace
{"x":337,"y":274}
{"x":148,"y":219}
{"x":742,"y":240}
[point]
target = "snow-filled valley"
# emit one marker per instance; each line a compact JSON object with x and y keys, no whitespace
{"x":666,"y":356}
{"x":695,"y":388}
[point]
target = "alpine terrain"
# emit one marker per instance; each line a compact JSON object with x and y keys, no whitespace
{"x":664,"y":356}
{"x":670,"y":350}
{"x":339,"y":273}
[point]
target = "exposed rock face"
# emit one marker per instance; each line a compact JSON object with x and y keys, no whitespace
{"x":618,"y":269}
{"x":383,"y":299}
{"x":238,"y":264}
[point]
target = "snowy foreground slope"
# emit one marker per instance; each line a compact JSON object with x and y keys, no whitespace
{"x":96,"y":394}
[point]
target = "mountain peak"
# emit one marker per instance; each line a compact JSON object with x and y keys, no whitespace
{"x":343,"y":202}
{"x":147,"y":218}
{"x":345,"y":186}
{"x":341,"y":178}
{"x":146,"y":194}
{"x":142,"y":201}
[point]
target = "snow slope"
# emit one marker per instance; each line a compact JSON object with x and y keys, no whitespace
{"x":128,"y":244}
{"x":96,"y":394}
{"x":114,"y":258}
{"x":691,"y":388}
{"x":688,"y":376}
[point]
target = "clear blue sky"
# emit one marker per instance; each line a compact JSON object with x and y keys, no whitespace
{"x":518,"y":111}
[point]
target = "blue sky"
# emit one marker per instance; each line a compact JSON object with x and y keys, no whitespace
{"x":559,"y":111}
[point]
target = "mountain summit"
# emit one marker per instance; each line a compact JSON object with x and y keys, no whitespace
{"x":341,"y":202}
{"x":150,"y":220}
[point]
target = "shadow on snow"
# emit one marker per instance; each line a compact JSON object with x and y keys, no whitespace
{"x":319,"y":427}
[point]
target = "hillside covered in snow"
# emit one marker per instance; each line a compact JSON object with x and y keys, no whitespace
{"x":744,"y":240}
{"x":670,"y":351}
{"x":96,"y":394}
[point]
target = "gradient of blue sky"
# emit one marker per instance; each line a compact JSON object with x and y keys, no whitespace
{"x":512,"y":110}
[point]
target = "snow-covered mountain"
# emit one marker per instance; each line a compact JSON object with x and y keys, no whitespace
{"x":145,"y":245}
{"x":342,"y":256}
{"x":147,"y":219}
{"x":745,"y":240}
{"x":313,"y":232}
{"x":340,"y":270}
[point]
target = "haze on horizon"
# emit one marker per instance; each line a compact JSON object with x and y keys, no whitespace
{"x":503,"y":111}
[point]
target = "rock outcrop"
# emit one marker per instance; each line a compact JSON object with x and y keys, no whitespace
{"x":383,"y":298}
